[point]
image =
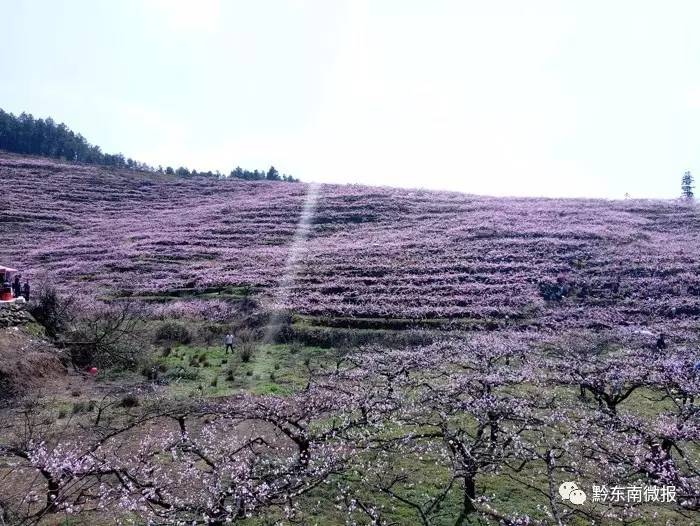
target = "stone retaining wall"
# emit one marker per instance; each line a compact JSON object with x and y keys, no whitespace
{"x":13,"y":314}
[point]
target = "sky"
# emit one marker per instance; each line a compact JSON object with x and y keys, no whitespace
{"x":592,"y":98}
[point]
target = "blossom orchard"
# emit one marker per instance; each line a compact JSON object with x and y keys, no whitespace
{"x":360,"y":439}
{"x":416,"y":254}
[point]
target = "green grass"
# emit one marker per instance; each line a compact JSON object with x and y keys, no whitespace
{"x":34,"y":329}
{"x":273,"y":369}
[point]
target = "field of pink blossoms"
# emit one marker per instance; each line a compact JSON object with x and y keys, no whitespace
{"x":371,"y":252}
{"x":453,"y":428}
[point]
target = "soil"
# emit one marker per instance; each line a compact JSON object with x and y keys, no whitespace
{"x":27,"y":363}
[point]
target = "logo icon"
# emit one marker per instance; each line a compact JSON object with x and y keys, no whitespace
{"x":571,"y":492}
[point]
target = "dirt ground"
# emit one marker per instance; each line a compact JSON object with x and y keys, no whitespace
{"x":27,"y":363}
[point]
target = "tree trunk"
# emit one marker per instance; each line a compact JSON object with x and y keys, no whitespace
{"x":468,"y":497}
{"x":51,"y":493}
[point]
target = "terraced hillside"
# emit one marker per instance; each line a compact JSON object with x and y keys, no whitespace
{"x":336,"y":414}
{"x":371,"y":252}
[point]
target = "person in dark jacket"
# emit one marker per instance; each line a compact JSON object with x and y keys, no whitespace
{"x":661,"y":342}
{"x":17,"y":287}
{"x":26,"y":289}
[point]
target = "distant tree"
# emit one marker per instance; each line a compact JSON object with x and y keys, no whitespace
{"x":272,"y":174}
{"x":24,"y":134}
{"x":687,"y":185}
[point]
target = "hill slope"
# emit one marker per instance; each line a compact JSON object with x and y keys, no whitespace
{"x":27,"y":363}
{"x":371,"y":252}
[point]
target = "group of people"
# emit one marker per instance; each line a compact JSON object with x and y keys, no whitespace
{"x":17,"y":288}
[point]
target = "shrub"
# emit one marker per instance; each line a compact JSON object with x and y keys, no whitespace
{"x":148,"y":367}
{"x":172,"y":331}
{"x":83,"y":407}
{"x":332,"y":337}
{"x":246,"y":353}
{"x":210,"y":333}
{"x":106,"y":335}
{"x":552,"y":291}
{"x":181,"y":374}
{"x":52,"y":310}
{"x":247,"y":303}
{"x":130,"y":400}
{"x":247,"y":344}
{"x":150,"y":372}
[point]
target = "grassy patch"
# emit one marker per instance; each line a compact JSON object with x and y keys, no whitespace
{"x":34,"y":329}
{"x":209,"y":371}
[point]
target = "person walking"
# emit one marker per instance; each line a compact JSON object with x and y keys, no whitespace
{"x":26,"y":289}
{"x":228,"y":340}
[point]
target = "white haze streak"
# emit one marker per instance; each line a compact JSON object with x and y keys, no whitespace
{"x":291,"y":267}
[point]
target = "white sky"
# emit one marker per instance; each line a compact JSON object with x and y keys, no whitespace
{"x":557,"y":98}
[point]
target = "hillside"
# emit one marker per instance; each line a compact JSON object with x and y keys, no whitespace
{"x":449,"y":360}
{"x":417,"y":254}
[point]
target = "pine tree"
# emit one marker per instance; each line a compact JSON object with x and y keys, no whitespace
{"x":25,"y":134}
{"x":687,"y":185}
{"x":272,"y":174}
